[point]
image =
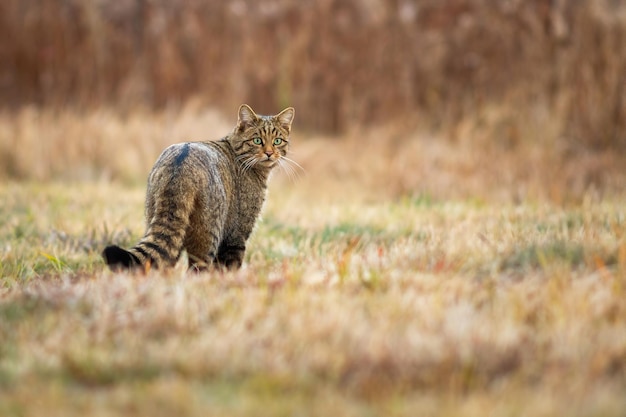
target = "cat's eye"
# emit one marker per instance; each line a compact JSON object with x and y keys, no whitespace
{"x":278,"y":141}
{"x":257,"y":141}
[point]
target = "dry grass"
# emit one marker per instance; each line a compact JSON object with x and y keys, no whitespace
{"x":458,"y":249}
{"x":403,"y":272}
{"x":350,"y":303}
{"x":340,"y":62}
{"x":103,"y":144}
{"x":487,"y":161}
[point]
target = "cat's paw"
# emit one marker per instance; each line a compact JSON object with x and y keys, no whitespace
{"x":119,"y":259}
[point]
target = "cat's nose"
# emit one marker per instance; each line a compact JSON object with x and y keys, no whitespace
{"x":269,"y":153}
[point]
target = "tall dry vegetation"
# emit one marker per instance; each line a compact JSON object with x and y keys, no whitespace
{"x":340,"y":62}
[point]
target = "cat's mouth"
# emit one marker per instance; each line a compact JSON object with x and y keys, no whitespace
{"x":268,"y":160}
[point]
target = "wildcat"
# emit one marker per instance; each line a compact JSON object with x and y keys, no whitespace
{"x":205,"y":197}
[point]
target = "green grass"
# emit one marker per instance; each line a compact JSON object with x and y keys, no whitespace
{"x":390,"y":308}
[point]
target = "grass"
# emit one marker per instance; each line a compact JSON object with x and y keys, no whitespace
{"x":407,"y":306}
{"x":459,"y":250}
{"x":401,"y":274}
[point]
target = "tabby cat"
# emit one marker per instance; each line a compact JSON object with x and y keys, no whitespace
{"x":205,"y":197}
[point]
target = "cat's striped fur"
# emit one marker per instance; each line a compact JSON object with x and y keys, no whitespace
{"x":205,"y":197}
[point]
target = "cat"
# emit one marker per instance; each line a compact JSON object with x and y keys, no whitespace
{"x":205,"y":197}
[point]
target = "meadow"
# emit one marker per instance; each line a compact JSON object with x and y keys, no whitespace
{"x":454,"y":244}
{"x":399,"y":273}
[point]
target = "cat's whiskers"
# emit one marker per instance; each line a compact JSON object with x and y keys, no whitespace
{"x":288,"y":171}
{"x":241,"y":159}
{"x":250,"y":164}
{"x":292,"y":162}
{"x":247,"y":162}
{"x":289,"y":167}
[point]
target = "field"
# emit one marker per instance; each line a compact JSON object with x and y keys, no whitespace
{"x":454,"y":244}
{"x":410,"y":276}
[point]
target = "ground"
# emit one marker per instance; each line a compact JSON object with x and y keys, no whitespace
{"x":392,"y":306}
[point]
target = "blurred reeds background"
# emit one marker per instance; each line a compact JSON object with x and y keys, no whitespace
{"x":514,"y":89}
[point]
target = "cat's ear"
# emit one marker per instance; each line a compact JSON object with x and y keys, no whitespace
{"x":246,"y":117}
{"x":285,"y":118}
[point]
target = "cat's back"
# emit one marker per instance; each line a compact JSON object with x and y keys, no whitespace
{"x":212,"y":161}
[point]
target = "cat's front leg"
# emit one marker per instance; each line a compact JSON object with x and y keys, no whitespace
{"x":230,"y":254}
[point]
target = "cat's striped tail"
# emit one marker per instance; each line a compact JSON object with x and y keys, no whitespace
{"x":162,"y":244}
{"x":146,"y":254}
{"x":153,"y":251}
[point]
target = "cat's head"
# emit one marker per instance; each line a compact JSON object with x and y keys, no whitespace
{"x":261,"y":141}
